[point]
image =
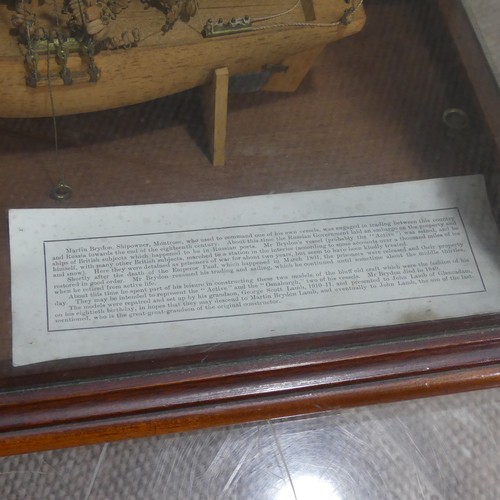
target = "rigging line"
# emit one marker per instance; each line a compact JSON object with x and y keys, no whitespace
{"x":308,"y":24}
{"x":196,"y":29}
{"x":354,"y":9}
{"x":272,"y":16}
{"x":157,"y":32}
{"x":197,"y":18}
{"x":28,"y":37}
{"x":298,"y":25}
{"x":82,"y":17}
{"x":56,"y":15}
{"x":54,"y":123}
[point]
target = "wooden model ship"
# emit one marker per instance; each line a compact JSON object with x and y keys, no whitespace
{"x":88,"y":55}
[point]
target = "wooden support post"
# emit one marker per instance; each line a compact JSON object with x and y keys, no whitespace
{"x":215,"y":108}
{"x":298,"y":66}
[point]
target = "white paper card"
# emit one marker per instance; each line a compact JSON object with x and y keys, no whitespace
{"x":107,"y":280}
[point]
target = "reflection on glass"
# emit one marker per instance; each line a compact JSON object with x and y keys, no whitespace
{"x":307,"y":486}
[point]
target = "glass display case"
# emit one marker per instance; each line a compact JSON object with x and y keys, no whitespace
{"x":394,"y":102}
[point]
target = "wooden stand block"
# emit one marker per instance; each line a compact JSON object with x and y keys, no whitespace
{"x":298,"y":67}
{"x":215,"y":109}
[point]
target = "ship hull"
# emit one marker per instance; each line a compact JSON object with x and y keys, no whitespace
{"x":146,"y":73}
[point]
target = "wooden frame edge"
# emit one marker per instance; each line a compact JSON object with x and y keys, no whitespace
{"x":70,"y":435}
{"x":152,"y":405}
